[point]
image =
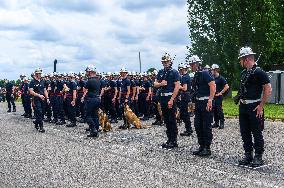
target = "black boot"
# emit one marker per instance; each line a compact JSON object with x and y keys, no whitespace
{"x":81,"y":120}
{"x":54,"y":121}
{"x":205,"y":152}
{"x":47,"y":119}
{"x":36,"y":124}
{"x":186,"y":133}
{"x":221,"y":125}
{"x":247,"y":159}
{"x":257,"y":161}
{"x":196,"y":152}
{"x":61,"y":123}
{"x":41,"y":129}
{"x":14,"y":109}
{"x":9,"y":110}
{"x":93,"y":133}
{"x":24,"y":114}
{"x":172,"y":144}
{"x":72,"y":124}
{"x":215,"y":125}
{"x":165,"y":145}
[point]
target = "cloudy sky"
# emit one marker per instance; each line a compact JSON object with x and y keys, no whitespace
{"x":107,"y":33}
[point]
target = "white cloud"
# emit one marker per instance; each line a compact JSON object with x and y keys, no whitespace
{"x":77,"y":33}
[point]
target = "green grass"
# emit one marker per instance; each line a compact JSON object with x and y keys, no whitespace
{"x":271,"y":111}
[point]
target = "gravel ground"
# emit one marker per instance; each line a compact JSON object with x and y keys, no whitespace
{"x":64,"y":157}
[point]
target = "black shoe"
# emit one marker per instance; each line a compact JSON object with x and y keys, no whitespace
{"x":157,"y":122}
{"x":36,"y":125}
{"x":247,"y":159}
{"x":72,"y":124}
{"x":165,"y":145}
{"x":14,"y":110}
{"x":87,"y":129}
{"x":205,"y":152}
{"x":24,"y":114}
{"x":81,"y":120}
{"x":47,"y":120}
{"x":172,"y":145}
{"x":54,"y":121}
{"x":27,"y":116}
{"x":61,"y":123}
{"x":41,"y":130}
{"x":215,"y":125}
{"x":9,"y":110}
{"x":257,"y":161}
{"x":186,"y":133}
{"x":93,"y":134}
{"x":221,"y":125}
{"x":196,"y":152}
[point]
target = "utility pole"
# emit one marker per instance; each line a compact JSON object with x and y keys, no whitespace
{"x":54,"y":65}
{"x":140,"y":61}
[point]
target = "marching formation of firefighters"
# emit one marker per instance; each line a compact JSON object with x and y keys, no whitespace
{"x":167,"y":95}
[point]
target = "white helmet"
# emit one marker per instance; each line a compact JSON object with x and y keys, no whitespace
{"x":91,"y":68}
{"x":245,"y":51}
{"x":182,"y":66}
{"x":195,"y":59}
{"x":38,"y":71}
{"x":207,"y":67}
{"x":166,"y":57}
{"x":51,"y":74}
{"x":108,"y":73}
{"x":123,"y":69}
{"x":71,"y":74}
{"x":155,"y":72}
{"x":215,"y":66}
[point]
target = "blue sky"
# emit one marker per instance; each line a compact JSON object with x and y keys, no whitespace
{"x":77,"y":33}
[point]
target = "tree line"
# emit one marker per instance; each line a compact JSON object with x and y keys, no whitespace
{"x":219,"y":28}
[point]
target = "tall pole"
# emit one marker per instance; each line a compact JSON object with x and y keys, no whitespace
{"x":140,"y":61}
{"x":54,"y":65}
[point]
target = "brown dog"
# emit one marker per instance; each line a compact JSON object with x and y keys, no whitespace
{"x":104,"y":122}
{"x":131,"y":117}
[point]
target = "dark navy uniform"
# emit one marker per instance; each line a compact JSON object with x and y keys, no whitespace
{"x":81,"y":105}
{"x":117,"y":103}
{"x":59,"y":101}
{"x":203,"y":118}
{"x":183,"y":105}
{"x":53,"y":101}
{"x":69,"y":98}
{"x":145,"y":104}
{"x":39,"y":104}
{"x":108,"y":97}
{"x":165,"y":93}
{"x":123,"y":91}
{"x":250,"y":125}
{"x":26,"y":100}
{"x":92,"y":105}
{"x":47,"y":106}
{"x":220,"y":82}
{"x":10,"y":96}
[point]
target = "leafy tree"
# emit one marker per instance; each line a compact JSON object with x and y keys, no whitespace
{"x":219,"y":28}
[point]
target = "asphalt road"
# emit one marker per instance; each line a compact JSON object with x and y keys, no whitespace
{"x":64,"y":157}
